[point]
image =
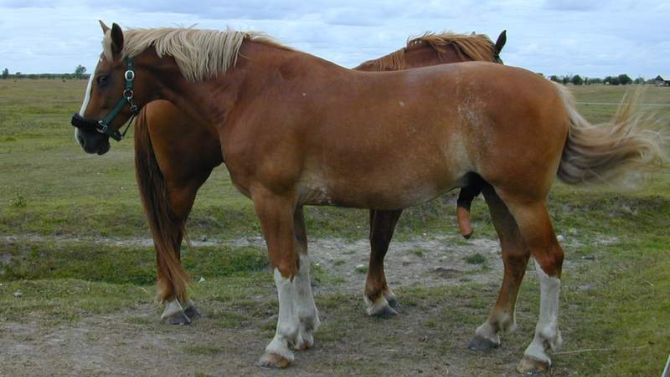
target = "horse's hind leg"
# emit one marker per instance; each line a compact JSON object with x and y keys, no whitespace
{"x":515,"y":256}
{"x":380,"y":299}
{"x":179,"y":309}
{"x":537,"y":232}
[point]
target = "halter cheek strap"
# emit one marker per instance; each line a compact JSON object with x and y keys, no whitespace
{"x":103,"y":126}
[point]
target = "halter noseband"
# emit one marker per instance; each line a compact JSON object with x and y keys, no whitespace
{"x":103,"y":126}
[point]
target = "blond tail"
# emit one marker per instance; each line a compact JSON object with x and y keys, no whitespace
{"x":606,"y":152}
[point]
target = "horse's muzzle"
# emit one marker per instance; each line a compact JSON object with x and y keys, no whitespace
{"x":84,"y":124}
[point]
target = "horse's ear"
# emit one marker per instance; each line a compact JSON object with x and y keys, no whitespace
{"x":104,"y":27}
{"x":117,"y":40}
{"x":502,"y":39}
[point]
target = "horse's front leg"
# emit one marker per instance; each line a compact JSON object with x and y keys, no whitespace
{"x":308,"y":315}
{"x":378,"y":296}
{"x":297,"y":313}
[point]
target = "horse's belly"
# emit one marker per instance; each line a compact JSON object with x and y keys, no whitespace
{"x":394,"y":191}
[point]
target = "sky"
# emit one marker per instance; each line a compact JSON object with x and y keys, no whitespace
{"x":594,"y":38}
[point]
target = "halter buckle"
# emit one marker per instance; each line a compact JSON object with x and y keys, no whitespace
{"x":129,"y":75}
{"x":102,"y":127}
{"x":128,"y":94}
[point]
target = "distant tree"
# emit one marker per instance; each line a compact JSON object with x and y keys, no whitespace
{"x":595,"y":80}
{"x":612,"y":80}
{"x":624,"y":79}
{"x":565,"y":79}
{"x":639,"y":80}
{"x":5,"y":73}
{"x":79,"y":71}
{"x":577,"y":80}
{"x":554,"y":78}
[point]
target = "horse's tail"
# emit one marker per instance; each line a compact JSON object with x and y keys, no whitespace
{"x":166,"y":229}
{"x":605,"y":152}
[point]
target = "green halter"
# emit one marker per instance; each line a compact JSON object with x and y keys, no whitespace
{"x":103,"y":126}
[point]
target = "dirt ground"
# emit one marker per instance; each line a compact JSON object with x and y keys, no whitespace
{"x":133,"y":343}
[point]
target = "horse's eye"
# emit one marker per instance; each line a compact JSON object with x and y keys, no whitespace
{"x":102,"y":80}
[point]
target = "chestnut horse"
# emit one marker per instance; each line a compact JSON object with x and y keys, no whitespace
{"x":297,"y":130}
{"x":175,"y":155}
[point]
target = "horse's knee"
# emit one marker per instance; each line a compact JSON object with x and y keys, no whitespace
{"x":551,"y":262}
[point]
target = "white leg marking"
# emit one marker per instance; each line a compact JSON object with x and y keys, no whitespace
{"x":547,"y":335}
{"x":172,"y":307}
{"x":487,"y":331}
{"x":287,"y":323}
{"x":308,"y":315}
{"x":380,"y":305}
{"x":502,"y":321}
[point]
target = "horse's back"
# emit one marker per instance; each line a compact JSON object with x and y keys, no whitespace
{"x":506,"y":124}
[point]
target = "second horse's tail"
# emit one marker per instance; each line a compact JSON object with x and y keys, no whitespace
{"x":167,"y":232}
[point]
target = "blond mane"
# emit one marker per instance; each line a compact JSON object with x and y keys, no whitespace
{"x":469,"y":46}
{"x":200,"y":54}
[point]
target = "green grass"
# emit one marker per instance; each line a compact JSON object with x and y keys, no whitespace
{"x":119,"y":264}
{"x":55,"y":301}
{"x":475,"y":259}
{"x":615,"y":305}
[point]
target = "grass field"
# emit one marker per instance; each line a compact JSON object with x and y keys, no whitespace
{"x":74,"y":257}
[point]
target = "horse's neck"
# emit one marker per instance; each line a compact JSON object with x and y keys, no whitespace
{"x":262,"y":59}
{"x":258,"y":66}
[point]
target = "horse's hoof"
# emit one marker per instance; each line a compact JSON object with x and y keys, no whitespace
{"x":272,"y":360}
{"x":529,"y":366}
{"x":178,"y":318}
{"x":393,"y":302}
{"x":384,"y":312}
{"x":304,"y":341}
{"x":479,"y":343}
{"x":192,"y":312}
{"x":303,"y":345}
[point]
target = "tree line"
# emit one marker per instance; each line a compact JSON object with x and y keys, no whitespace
{"x":622,"y":79}
{"x":79,"y":73}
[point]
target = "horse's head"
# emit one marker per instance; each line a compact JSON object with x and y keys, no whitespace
{"x":111,"y":96}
